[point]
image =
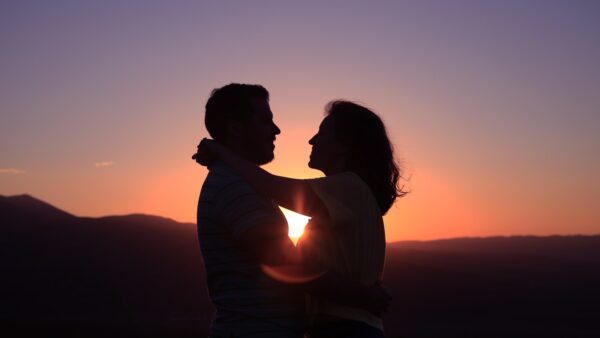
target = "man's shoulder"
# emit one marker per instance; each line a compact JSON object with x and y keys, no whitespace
{"x":221,"y":169}
{"x":227,"y":196}
{"x":226,"y":183}
{"x":220,"y":175}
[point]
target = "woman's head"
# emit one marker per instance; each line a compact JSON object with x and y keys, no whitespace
{"x":353,"y":138}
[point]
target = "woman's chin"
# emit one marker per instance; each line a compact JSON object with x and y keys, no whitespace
{"x":313,"y":165}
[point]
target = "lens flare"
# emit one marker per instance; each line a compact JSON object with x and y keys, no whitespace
{"x":290,"y":273}
{"x":296,"y":223}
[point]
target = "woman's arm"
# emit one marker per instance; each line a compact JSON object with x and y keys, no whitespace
{"x":290,"y":193}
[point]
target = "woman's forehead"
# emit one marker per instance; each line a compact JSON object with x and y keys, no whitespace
{"x":327,"y":123}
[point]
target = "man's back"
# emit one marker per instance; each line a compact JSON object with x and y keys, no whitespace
{"x":247,"y":301}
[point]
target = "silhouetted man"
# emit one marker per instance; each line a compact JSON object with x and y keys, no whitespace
{"x":240,"y":230}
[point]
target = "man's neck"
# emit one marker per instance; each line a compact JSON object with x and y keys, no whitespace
{"x":239,"y":150}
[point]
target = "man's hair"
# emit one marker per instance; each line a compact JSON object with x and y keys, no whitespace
{"x":230,"y":103}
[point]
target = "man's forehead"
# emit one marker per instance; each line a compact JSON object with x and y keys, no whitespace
{"x":261,"y":106}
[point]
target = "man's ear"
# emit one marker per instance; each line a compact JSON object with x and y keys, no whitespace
{"x":235,"y":130}
{"x":343,"y":149}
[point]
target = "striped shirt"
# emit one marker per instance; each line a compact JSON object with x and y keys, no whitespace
{"x":248,"y":303}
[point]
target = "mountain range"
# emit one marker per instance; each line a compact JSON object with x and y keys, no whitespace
{"x":142,"y":275}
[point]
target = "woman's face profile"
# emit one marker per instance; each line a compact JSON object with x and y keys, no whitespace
{"x":328,"y":154}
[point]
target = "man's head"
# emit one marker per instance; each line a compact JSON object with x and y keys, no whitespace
{"x":239,"y":117}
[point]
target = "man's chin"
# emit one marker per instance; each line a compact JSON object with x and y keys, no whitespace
{"x":265,"y":159}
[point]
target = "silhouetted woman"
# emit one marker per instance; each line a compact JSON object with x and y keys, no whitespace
{"x":346,"y":232}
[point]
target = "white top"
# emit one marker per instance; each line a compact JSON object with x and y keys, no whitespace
{"x":351,"y":241}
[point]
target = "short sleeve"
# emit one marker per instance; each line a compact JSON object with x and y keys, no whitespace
{"x":241,"y":208}
{"x":340,"y":194}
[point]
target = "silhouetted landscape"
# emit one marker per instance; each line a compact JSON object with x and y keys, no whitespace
{"x":141,"y":275}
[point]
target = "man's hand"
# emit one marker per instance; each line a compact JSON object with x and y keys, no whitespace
{"x":377,"y":299}
{"x":344,"y":291}
{"x":207,"y":152}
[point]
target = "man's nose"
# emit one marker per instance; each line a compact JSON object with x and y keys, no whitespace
{"x":276,"y":129}
{"x":312,"y":140}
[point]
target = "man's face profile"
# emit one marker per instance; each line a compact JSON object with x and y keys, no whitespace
{"x":259,"y":133}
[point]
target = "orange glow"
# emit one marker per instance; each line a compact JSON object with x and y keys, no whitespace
{"x":436,"y":207}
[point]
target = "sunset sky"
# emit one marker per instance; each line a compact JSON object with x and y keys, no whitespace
{"x":493,"y":107}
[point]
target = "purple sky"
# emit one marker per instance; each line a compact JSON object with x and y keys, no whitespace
{"x":494,"y":107}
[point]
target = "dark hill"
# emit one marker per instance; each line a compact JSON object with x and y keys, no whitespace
{"x":557,"y":247}
{"x":495,"y":287}
{"x":141,"y":275}
{"x":127,"y":272}
{"x":24,"y":208}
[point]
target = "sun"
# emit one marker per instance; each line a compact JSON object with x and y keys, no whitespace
{"x":296,"y":223}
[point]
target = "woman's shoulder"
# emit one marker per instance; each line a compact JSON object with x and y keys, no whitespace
{"x":351,"y":179}
{"x":345,"y":185}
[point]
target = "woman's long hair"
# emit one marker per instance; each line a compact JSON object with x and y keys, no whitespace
{"x":371,"y":154}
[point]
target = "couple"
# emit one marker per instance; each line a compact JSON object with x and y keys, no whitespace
{"x":260,"y":283}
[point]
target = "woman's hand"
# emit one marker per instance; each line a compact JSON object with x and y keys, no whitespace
{"x":208,"y":152}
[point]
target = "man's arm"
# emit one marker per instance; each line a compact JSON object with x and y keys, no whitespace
{"x":269,"y":245}
{"x":264,"y":236}
{"x":281,"y":260}
{"x":326,"y":284}
{"x":255,"y":223}
{"x":344,"y":291}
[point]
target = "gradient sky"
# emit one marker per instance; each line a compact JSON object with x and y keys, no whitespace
{"x":493,"y":107}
